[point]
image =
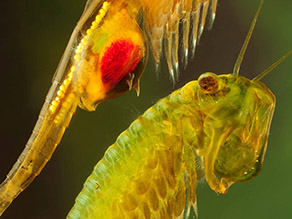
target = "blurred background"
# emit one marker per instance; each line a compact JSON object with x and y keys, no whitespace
{"x":33,"y":37}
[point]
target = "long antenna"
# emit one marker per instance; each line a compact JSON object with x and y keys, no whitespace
{"x":269,"y":69}
{"x":246,"y":41}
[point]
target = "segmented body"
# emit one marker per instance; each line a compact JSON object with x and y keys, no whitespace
{"x":93,"y":71}
{"x":143,"y":173}
{"x":152,"y":169}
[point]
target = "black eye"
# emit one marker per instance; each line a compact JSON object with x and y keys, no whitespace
{"x":208,"y":83}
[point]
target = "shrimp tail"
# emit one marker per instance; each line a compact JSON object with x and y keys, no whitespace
{"x":54,"y":118}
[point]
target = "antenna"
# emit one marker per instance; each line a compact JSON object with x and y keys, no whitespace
{"x":269,"y":69}
{"x":246,"y":41}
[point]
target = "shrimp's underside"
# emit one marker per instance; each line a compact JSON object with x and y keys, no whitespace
{"x":95,"y":70}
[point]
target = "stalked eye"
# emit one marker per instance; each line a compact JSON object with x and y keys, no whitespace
{"x":119,"y":61}
{"x":208,"y":82}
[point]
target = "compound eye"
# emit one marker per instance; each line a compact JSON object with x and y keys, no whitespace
{"x":208,"y":83}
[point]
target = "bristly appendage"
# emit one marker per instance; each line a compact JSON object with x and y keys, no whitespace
{"x":163,"y":25}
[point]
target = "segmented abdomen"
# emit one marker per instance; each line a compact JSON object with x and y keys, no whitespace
{"x":148,"y":170}
{"x":42,"y":143}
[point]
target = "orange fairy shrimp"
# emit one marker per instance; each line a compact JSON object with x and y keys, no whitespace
{"x":217,"y":127}
{"x":105,"y":58}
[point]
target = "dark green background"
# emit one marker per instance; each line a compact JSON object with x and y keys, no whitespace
{"x":33,"y":37}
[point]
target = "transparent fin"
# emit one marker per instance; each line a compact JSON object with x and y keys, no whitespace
{"x":203,"y":18}
{"x":175,"y":35}
{"x":167,"y":51}
{"x":195,"y":23}
{"x":213,"y":8}
{"x":186,"y":30}
{"x":167,"y":15}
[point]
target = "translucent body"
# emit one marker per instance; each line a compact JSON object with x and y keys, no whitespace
{"x":79,"y":77}
{"x":152,"y":169}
